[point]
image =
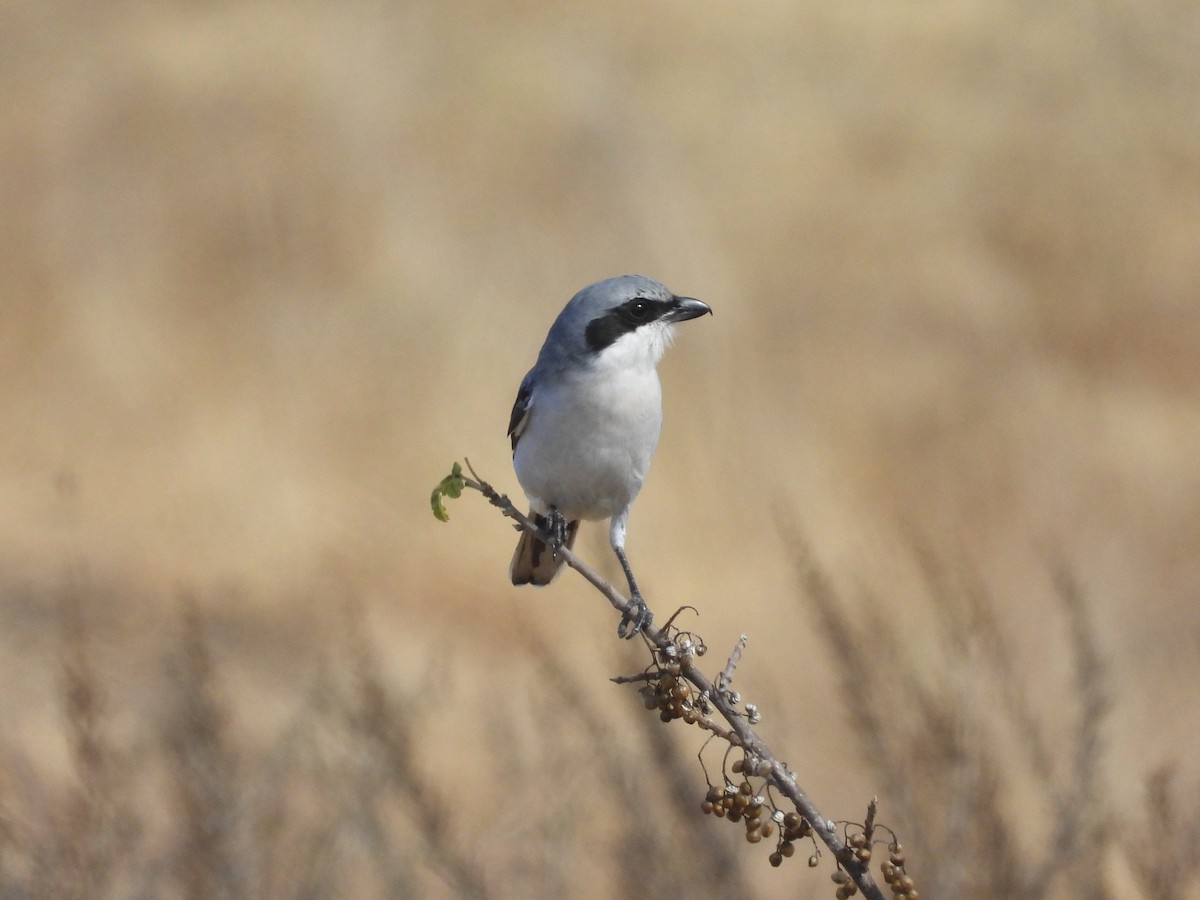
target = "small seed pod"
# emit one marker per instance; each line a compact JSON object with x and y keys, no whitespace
{"x":792,"y":820}
{"x":814,"y":861}
{"x":787,"y":848}
{"x":840,"y":877}
{"x":776,"y":859}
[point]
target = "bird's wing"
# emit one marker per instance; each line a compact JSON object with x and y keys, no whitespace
{"x":520,"y":412}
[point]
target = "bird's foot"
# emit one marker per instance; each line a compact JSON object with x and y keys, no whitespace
{"x":636,"y":619}
{"x":554,"y":524}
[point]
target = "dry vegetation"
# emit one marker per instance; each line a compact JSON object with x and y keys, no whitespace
{"x":267,"y":269}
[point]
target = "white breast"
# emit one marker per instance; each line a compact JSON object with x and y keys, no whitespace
{"x":587,"y":445}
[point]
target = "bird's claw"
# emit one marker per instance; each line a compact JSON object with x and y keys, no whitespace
{"x":636,"y":619}
{"x":555,"y":526}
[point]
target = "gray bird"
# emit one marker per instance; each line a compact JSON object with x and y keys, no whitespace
{"x":586,"y":421}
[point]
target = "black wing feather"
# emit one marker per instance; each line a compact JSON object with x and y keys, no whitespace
{"x":520,"y":410}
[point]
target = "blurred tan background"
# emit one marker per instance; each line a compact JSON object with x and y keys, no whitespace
{"x":268,"y":269}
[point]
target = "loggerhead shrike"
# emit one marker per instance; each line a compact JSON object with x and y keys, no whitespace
{"x":586,"y":421}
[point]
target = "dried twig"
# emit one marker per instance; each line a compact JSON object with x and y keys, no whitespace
{"x":675,"y":654}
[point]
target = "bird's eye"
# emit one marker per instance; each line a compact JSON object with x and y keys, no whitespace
{"x":639,"y":310}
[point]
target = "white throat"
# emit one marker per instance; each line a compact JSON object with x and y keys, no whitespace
{"x":638,"y":350}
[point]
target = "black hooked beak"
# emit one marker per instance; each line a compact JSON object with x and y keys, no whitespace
{"x":684,"y":308}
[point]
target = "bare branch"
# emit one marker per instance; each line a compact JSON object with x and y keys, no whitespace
{"x":675,"y":653}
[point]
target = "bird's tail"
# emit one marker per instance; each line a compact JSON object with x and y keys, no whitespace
{"x":534,"y":562}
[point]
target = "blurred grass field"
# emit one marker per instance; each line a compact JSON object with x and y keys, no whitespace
{"x":268,"y":269}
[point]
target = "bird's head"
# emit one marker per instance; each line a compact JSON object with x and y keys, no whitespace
{"x":625,"y":320}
